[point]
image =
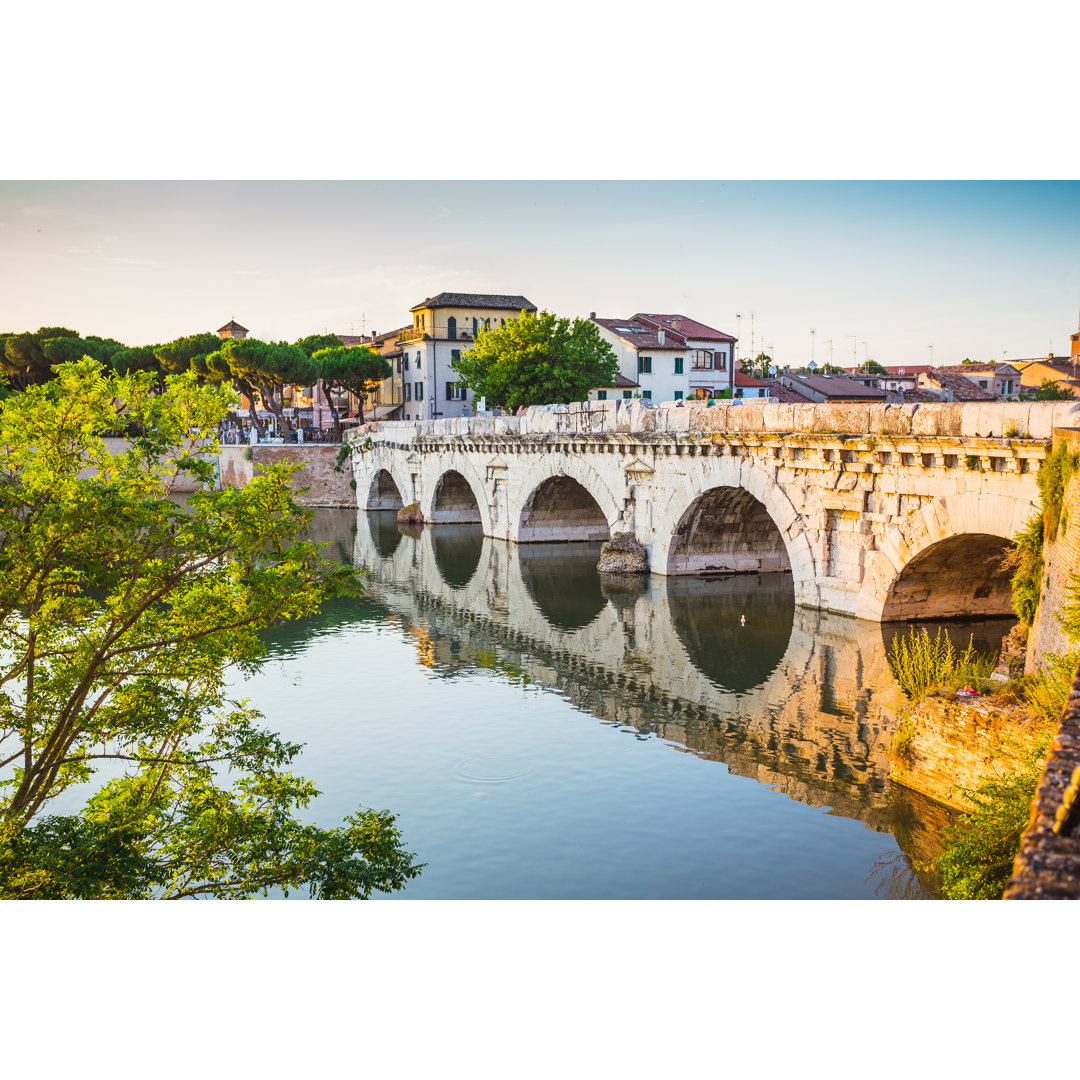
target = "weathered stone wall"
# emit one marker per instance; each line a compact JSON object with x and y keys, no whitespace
{"x":183,"y":484}
{"x":1024,"y":420}
{"x":1048,"y":866}
{"x":957,"y":744}
{"x":1062,"y":560}
{"x":318,"y":483}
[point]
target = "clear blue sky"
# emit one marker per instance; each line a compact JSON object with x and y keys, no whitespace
{"x":976,"y":269}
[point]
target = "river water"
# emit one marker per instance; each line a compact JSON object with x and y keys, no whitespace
{"x":541,"y":733}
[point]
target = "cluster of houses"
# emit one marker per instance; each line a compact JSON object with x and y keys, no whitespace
{"x":662,"y":357}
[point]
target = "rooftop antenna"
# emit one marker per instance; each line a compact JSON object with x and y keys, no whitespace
{"x":854,"y":349}
{"x":813,"y":331}
{"x":931,"y":348}
{"x":829,"y":343}
{"x":865,"y":353}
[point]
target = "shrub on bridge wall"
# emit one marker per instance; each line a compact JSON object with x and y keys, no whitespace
{"x":1026,"y":558}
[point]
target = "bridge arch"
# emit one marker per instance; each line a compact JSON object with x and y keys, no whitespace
{"x":383,"y":491}
{"x":717,"y":491}
{"x":944,"y":561}
{"x":454,"y":500}
{"x":566,"y":503}
{"x":454,"y":491}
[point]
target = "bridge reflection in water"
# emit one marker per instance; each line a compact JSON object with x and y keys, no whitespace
{"x":726,"y":668}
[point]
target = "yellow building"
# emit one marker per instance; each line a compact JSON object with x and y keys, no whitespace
{"x":1056,"y":369}
{"x":443,"y":327}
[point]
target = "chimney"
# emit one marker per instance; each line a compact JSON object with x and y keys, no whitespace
{"x":660,"y":337}
{"x":676,"y":324}
{"x":592,"y":314}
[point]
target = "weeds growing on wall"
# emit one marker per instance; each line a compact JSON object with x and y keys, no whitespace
{"x":1069,"y":616}
{"x":981,"y":847}
{"x":921,"y":663}
{"x":1055,"y":472}
{"x":1025,"y":560}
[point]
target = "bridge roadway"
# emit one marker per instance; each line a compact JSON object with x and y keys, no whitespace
{"x":882,"y":512}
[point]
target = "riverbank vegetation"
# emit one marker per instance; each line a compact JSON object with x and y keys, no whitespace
{"x":120,"y":612}
{"x":980,"y":849}
{"x":921,"y":663}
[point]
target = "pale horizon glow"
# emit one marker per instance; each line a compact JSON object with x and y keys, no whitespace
{"x":980,"y":269}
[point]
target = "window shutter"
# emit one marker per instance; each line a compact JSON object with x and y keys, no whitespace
{"x":449,"y":391}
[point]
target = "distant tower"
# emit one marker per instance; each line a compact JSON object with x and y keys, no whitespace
{"x":1074,"y":352}
{"x":233,"y":329}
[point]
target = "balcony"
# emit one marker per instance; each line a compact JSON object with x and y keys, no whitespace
{"x":437,"y":333}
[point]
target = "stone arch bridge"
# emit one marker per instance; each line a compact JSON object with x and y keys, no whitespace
{"x":888,"y":513}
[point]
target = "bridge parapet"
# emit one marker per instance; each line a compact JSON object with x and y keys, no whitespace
{"x":1032,"y":420}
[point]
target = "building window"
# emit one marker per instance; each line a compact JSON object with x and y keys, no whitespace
{"x":601,"y":395}
{"x":720,"y":361}
{"x":678,"y":395}
{"x":417,"y":361}
{"x":455,"y":391}
{"x":646,"y":393}
{"x":678,"y":365}
{"x":418,"y":391}
{"x":644,"y":365}
{"x":455,"y":356}
{"x":406,"y":360}
{"x":408,"y":391}
{"x":982,"y":383}
{"x":626,"y":394}
{"x":703,"y":393}
{"x":701,"y":358}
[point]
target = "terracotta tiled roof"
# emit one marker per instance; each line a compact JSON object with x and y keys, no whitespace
{"x":689,"y":328}
{"x":742,"y":379}
{"x":972,"y":369}
{"x":962,"y":387}
{"x":492,"y":301}
{"x":643,"y":336}
{"x":233,"y":325}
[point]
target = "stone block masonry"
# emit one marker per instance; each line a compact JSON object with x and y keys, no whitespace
{"x":958,"y":744}
{"x":1048,"y":866}
{"x":317,"y":483}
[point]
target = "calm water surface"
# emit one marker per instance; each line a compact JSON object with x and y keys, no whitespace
{"x":541,"y":733}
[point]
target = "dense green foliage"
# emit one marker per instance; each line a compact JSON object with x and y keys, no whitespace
{"x":1025,"y":560}
{"x":1049,"y":390}
{"x":921,"y":663}
{"x":29,"y":359}
{"x":980,"y":849}
{"x":120,"y":611}
{"x":537,"y":359}
{"x":352,"y":371}
{"x":758,"y":367}
{"x":1055,"y":472}
{"x":872,"y":367}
